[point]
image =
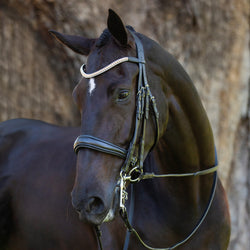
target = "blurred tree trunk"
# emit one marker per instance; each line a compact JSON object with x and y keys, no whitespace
{"x":210,"y":39}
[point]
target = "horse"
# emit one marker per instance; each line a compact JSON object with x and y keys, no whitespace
{"x":37,"y":174}
{"x":145,"y":171}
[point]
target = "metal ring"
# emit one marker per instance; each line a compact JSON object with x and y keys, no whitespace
{"x":135,"y":170}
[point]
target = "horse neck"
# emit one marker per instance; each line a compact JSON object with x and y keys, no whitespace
{"x":186,"y":144}
{"x":174,"y":155}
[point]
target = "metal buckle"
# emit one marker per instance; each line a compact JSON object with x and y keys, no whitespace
{"x":123,"y":193}
{"x":134,"y":175}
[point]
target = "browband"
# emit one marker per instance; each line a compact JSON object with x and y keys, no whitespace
{"x":109,"y":66}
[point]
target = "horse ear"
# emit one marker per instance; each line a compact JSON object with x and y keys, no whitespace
{"x":117,"y":28}
{"x":78,"y":44}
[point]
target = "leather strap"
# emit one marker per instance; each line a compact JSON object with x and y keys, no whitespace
{"x":130,"y":228}
{"x":198,"y":173}
{"x":94,"y":143}
{"x":130,"y":217}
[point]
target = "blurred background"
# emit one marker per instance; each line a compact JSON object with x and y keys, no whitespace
{"x":209,"y":38}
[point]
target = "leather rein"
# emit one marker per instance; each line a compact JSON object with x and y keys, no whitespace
{"x":132,"y":168}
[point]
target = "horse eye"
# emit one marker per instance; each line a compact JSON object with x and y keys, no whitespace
{"x":123,"y":95}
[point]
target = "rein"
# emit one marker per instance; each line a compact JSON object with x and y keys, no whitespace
{"x":132,"y":168}
{"x":127,"y":220}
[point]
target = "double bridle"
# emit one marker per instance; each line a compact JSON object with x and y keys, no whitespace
{"x":132,"y":168}
{"x":144,"y":100}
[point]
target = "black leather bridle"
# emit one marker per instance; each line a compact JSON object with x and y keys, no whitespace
{"x":144,"y":101}
{"x":132,"y":168}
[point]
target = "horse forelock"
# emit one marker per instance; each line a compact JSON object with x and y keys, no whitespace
{"x":105,"y":36}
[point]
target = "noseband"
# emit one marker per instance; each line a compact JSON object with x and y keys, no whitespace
{"x":132,"y":168}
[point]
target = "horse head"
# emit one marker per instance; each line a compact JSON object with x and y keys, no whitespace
{"x":108,"y":102}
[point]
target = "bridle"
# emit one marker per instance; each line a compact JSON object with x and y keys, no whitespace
{"x":144,"y":101}
{"x":132,"y":168}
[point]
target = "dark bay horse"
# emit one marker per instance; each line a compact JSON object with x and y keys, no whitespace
{"x":37,"y":168}
{"x":141,"y":119}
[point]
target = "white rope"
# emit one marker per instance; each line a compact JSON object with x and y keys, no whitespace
{"x":110,"y":66}
{"x":101,"y":71}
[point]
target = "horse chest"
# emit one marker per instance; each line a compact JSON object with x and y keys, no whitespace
{"x":153,"y":221}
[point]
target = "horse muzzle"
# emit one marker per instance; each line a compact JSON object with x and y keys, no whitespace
{"x":94,"y":209}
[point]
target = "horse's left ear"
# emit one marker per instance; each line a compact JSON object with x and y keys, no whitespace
{"x":117,"y":28}
{"x":78,"y":44}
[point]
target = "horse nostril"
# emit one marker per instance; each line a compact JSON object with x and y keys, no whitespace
{"x":94,"y":205}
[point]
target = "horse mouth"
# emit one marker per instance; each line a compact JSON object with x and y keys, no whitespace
{"x":110,"y":216}
{"x":114,"y":206}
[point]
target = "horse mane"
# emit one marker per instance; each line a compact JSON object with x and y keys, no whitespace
{"x":103,"y":39}
{"x":105,"y":36}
